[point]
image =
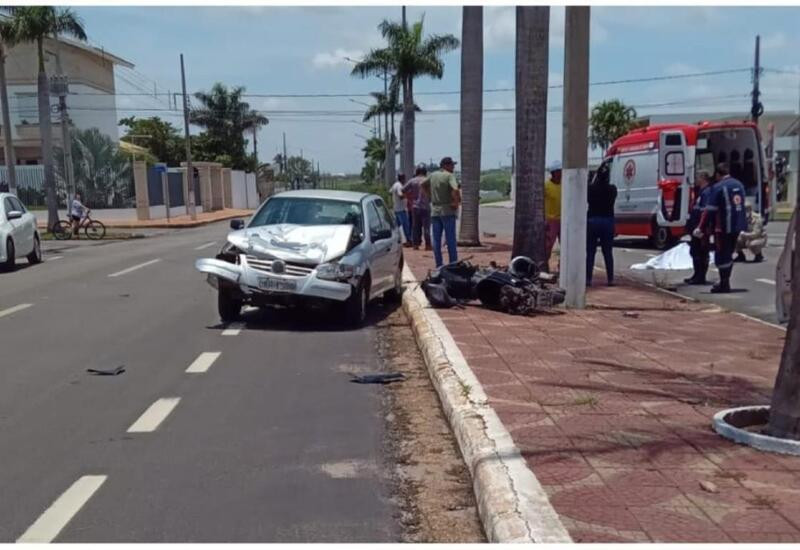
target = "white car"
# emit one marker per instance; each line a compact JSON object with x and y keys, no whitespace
{"x":19,"y":235}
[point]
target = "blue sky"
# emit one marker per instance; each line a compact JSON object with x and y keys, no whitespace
{"x":301,"y":50}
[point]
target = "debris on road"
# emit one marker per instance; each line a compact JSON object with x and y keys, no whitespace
{"x":107,"y":372}
{"x":709,"y":487}
{"x":380,"y":378}
{"x":631,"y":314}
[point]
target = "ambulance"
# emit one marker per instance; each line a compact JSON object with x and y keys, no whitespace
{"x":654,"y":170}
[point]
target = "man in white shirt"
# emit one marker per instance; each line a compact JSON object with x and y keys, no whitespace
{"x":76,"y":212}
{"x":399,"y":206}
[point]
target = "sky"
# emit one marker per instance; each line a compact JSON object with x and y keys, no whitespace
{"x":288,"y":51}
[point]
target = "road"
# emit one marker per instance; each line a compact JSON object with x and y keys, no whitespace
{"x":244,"y":433}
{"x":754,"y":284}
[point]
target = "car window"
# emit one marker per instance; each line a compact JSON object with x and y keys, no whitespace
{"x":308,"y":211}
{"x":386,"y":218}
{"x":8,"y":205}
{"x":375,"y":222}
{"x":17,"y":204}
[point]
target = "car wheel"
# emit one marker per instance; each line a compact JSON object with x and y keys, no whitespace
{"x":11,"y":258}
{"x":35,"y":256}
{"x":395,"y":293}
{"x":662,"y":237}
{"x":228,"y":307}
{"x":355,"y":308}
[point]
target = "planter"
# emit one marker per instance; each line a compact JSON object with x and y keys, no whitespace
{"x":743,"y":424}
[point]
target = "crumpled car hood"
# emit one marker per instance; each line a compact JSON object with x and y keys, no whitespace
{"x":307,"y":244}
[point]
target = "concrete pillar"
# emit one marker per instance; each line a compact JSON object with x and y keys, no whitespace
{"x":185,"y":190}
{"x":140,"y":188}
{"x":215,"y":175}
{"x":205,"y":186}
{"x":227,"y":190}
{"x":575,"y":147}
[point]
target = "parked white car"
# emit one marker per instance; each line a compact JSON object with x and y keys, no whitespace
{"x":19,"y":235}
{"x":309,"y":246}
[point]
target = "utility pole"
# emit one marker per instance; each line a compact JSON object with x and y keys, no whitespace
{"x":189,"y":171}
{"x":255,"y":146}
{"x":284,"y":165}
{"x":756,"y":109}
{"x":575,"y":155}
{"x":61,"y":85}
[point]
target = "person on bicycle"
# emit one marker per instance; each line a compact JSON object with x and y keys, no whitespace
{"x":77,"y":211}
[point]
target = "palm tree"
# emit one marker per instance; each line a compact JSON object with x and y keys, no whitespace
{"x":471,"y":122}
{"x":608,"y":121}
{"x":7,"y":40}
{"x":388,"y":106}
{"x":408,"y":55}
{"x":533,"y":23}
{"x":34,"y":24}
{"x":254,"y":120}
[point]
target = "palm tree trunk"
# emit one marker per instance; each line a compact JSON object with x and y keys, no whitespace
{"x":408,"y":126}
{"x":391,"y":162}
{"x":388,"y":163}
{"x":471,"y":122}
{"x":8,"y":138}
{"x":45,"y":131}
{"x":784,"y":414}
{"x":533,"y":23}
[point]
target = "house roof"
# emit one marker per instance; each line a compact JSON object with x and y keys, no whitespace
{"x":98,"y":51}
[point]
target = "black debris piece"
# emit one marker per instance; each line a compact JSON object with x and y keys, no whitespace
{"x":107,"y":372}
{"x":379,"y":378}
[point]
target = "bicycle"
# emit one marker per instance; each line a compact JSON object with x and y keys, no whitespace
{"x":93,"y":229}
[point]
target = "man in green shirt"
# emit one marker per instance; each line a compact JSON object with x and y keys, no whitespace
{"x":445,"y":199}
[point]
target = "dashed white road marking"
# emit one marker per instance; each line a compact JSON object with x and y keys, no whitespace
{"x":14,"y":309}
{"x":651,"y":255}
{"x":135,"y":267}
{"x":203,"y":362}
{"x":766,"y":281}
{"x":202,"y":246}
{"x":53,"y":258}
{"x":58,"y":515}
{"x":154,"y":415}
{"x":233,"y":329}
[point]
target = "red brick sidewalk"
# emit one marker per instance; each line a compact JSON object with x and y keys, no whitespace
{"x":612,"y":407}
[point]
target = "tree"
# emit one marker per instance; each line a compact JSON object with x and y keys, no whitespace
{"x":226,"y":118}
{"x":160,"y":137}
{"x":407,"y":56}
{"x":533,"y":24}
{"x":34,"y":24}
{"x":298,"y":169}
{"x":471,"y":122}
{"x":102,"y":171}
{"x":387,"y":105}
{"x":608,"y":121}
{"x":7,"y":40}
{"x":784,"y":413}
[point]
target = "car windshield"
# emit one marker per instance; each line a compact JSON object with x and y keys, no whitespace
{"x":308,"y":211}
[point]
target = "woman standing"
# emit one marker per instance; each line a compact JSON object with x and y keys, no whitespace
{"x":600,"y":223}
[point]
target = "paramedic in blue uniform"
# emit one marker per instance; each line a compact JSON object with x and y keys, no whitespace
{"x":699,"y":247}
{"x":725,"y":215}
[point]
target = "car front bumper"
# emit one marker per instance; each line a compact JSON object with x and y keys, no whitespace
{"x":249,"y":280}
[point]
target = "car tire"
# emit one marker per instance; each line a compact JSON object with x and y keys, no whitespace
{"x":11,"y":258}
{"x":355,"y":308}
{"x":395,"y":294}
{"x":35,"y":257}
{"x":228,"y":307}
{"x":661,"y":238}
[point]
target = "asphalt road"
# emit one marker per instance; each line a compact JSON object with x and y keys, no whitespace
{"x":754,"y":284}
{"x":264,"y":439}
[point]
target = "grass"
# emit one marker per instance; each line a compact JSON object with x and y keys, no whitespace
{"x":590,"y":400}
{"x":465,"y":389}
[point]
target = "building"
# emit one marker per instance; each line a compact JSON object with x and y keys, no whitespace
{"x":91,"y":101}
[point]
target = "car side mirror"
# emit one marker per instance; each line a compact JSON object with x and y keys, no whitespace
{"x":14,"y":215}
{"x":237,"y":224}
{"x":381,"y":234}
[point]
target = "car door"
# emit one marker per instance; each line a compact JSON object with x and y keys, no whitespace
{"x":27,"y":226}
{"x":397,"y":245}
{"x":381,"y":237}
{"x":14,"y":225}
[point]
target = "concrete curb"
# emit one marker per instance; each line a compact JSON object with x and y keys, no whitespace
{"x":723,"y":426}
{"x":123,"y":224}
{"x":512,"y":504}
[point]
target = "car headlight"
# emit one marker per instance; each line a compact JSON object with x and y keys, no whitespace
{"x":336,"y":271}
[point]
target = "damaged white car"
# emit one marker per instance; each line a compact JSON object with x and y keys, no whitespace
{"x":309,"y":247}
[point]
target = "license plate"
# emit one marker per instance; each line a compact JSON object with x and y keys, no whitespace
{"x":276,"y":285}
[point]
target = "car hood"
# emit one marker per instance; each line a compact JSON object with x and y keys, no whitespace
{"x":307,"y":244}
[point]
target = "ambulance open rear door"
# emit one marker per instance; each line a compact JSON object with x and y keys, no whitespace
{"x":673,"y":180}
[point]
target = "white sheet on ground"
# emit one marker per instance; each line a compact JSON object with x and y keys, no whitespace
{"x":676,"y":258}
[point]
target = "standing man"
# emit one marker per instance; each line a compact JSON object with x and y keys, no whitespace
{"x":754,"y":238}
{"x":726,"y":205}
{"x":399,"y":205}
{"x":445,"y":199}
{"x":418,"y":190}
{"x":552,"y":208}
{"x":699,"y":247}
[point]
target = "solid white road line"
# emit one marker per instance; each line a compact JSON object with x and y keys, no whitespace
{"x":766,"y":281}
{"x":204,"y":361}
{"x":55,"y":518}
{"x":14,"y":309}
{"x":134,"y":268}
{"x":202,"y":246}
{"x":154,"y":415}
{"x":233,"y":329}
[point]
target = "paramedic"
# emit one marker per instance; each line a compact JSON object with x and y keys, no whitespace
{"x":754,"y":238}
{"x":699,"y":246}
{"x":725,"y":215}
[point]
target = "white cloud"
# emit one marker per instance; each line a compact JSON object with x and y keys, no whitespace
{"x":336,"y":58}
{"x":679,"y":68}
{"x":774,"y":41}
{"x":499,"y":27}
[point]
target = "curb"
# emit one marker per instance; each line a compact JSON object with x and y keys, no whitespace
{"x":723,"y":426}
{"x":163,"y":225}
{"x":512,"y":504}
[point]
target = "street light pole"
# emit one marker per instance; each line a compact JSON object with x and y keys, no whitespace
{"x":575,"y":152}
{"x":189,"y":171}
